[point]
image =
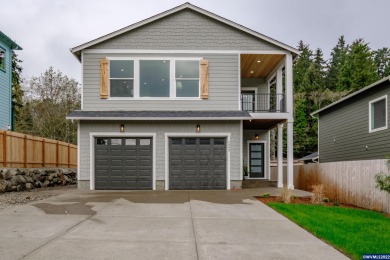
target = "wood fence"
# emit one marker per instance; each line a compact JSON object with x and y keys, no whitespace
{"x":351,"y":182}
{"x":26,"y":151}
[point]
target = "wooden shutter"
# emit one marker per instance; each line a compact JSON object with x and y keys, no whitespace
{"x":104,"y":78}
{"x":204,"y":79}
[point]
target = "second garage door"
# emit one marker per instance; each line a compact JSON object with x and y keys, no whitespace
{"x":197,"y":163}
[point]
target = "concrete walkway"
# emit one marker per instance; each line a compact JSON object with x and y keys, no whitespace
{"x":155,"y":225}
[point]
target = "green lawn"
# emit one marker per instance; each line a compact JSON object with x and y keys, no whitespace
{"x":352,"y":231}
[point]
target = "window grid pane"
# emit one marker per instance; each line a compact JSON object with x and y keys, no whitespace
{"x":187,"y":78}
{"x":378,"y":114}
{"x":2,"y":58}
{"x":154,"y":78}
{"x":121,"y":78}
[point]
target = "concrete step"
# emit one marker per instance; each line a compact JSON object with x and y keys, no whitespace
{"x":252,"y":184}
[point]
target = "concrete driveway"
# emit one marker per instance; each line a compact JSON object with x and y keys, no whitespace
{"x":155,"y":225}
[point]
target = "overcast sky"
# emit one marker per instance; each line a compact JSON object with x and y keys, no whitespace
{"x":46,"y":29}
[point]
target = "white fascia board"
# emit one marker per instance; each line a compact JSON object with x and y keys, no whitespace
{"x":136,"y":51}
{"x":157,"y":118}
{"x":177,"y":9}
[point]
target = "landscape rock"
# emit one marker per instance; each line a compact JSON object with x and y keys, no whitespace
{"x":28,"y":179}
{"x":18,"y":179}
{"x":29,"y":186}
{"x":6,"y":174}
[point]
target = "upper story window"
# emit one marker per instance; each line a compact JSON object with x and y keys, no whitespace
{"x":2,"y":59}
{"x":378,"y":114}
{"x":122,"y":78}
{"x":187,"y":78}
{"x":154,"y":78}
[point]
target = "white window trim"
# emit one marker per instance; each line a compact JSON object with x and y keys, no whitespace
{"x":225,"y":135}
{"x":370,"y":130}
{"x":172,"y":78}
{"x":92,"y":136}
{"x":133,"y":78}
{"x":266,"y":164}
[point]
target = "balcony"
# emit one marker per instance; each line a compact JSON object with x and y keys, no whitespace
{"x":259,"y":102}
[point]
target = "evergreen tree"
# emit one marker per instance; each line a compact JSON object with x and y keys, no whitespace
{"x":359,"y":69}
{"x":301,"y":65}
{"x":382,"y":62}
{"x":17,"y":91}
{"x":337,"y":60}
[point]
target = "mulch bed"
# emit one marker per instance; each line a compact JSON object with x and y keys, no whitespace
{"x":303,"y":200}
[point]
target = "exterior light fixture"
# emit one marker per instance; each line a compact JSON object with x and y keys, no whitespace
{"x":257,"y":137}
{"x":252,"y":71}
{"x":198,"y":128}
{"x":122,"y":128}
{"x":258,"y":61}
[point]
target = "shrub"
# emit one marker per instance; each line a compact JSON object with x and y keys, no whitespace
{"x":318,"y":194}
{"x":383,"y":182}
{"x":285,"y":196}
{"x":325,"y":200}
{"x":265,"y":195}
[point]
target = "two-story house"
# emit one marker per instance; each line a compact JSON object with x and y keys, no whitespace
{"x":6,"y":47}
{"x":182,"y":100}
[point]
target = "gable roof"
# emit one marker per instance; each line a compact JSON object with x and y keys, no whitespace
{"x":13,"y":45}
{"x":310,"y":157}
{"x":351,"y":95}
{"x":76,"y":50}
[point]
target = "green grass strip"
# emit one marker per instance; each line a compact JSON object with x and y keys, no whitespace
{"x":352,"y":231}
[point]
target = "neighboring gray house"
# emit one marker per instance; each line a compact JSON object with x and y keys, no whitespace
{"x":356,"y":126}
{"x":182,"y":100}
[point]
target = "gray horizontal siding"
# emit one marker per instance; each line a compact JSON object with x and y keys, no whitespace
{"x":223,"y":85}
{"x":348,"y":123}
{"x":186,"y":30}
{"x":160,"y":128}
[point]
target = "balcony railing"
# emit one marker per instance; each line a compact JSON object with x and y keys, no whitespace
{"x":260,"y":102}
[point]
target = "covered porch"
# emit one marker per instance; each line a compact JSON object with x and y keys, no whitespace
{"x":266,"y":92}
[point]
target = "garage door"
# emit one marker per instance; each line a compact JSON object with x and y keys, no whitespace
{"x":197,"y":163}
{"x":123,"y":163}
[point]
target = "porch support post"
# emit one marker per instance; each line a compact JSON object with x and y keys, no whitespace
{"x":279,"y":87}
{"x":290,"y":155}
{"x":289,"y":85}
{"x":290,"y":121}
{"x":280,"y":155}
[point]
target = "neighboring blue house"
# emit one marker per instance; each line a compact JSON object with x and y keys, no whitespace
{"x":6,"y":47}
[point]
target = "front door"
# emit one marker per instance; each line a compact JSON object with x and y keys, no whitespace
{"x":256,"y":160}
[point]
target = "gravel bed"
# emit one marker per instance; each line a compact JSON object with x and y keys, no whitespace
{"x":12,"y":199}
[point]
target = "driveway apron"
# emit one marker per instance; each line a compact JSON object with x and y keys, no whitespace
{"x":155,"y":225}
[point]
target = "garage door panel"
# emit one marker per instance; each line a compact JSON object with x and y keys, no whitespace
{"x":197,"y":163}
{"x":101,"y":153}
{"x":130,"y":153}
{"x":123,"y":163}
